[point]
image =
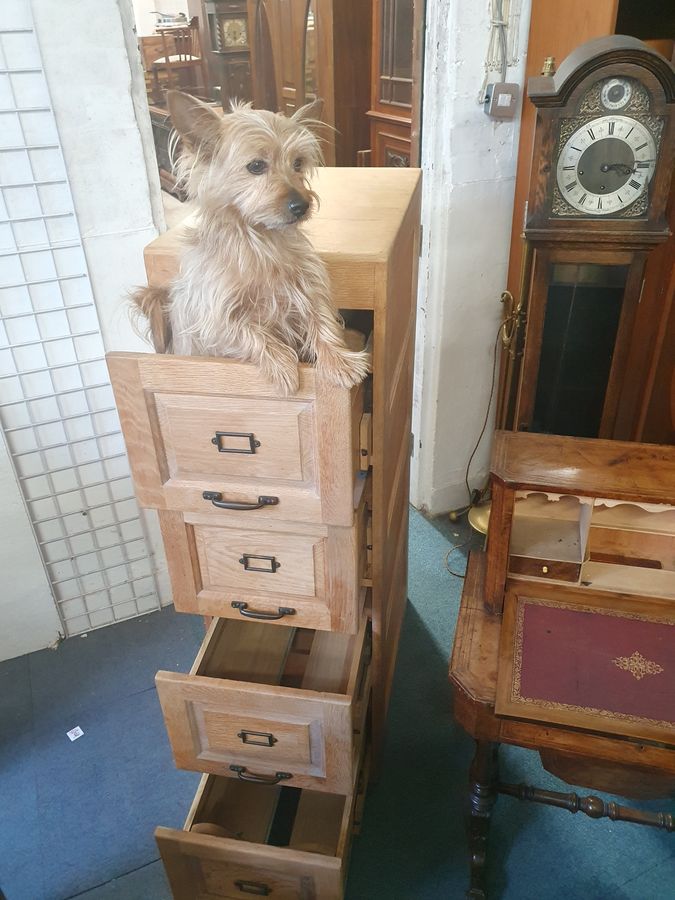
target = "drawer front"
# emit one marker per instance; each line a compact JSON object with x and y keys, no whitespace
{"x":196,"y":426}
{"x":298,"y":737}
{"x":286,"y":573}
{"x":205,"y":867}
{"x":550,"y":569}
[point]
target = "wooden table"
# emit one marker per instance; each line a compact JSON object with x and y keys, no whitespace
{"x":617,"y":764}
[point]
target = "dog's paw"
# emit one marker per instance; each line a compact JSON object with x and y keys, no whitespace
{"x":280,"y":368}
{"x":345,"y":367}
{"x":286,"y":379}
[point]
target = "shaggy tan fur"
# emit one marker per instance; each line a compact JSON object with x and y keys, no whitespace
{"x":251,"y":287}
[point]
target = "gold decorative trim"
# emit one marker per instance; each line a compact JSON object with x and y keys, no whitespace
{"x":516,"y":696}
{"x":637,"y":665}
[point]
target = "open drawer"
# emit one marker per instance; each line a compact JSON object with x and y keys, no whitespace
{"x":244,"y":840}
{"x":210,"y":435}
{"x":286,"y":573}
{"x":271,"y":705}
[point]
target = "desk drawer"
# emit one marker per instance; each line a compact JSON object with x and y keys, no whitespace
{"x":203,"y":434}
{"x":550,"y":569}
{"x":244,"y":840}
{"x":277,"y":705}
{"x":287,"y":573}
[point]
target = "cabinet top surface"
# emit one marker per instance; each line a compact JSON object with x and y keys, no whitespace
{"x":614,"y":469}
{"x":362,"y":211}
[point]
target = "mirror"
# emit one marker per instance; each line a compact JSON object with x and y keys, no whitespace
{"x":311,"y":87}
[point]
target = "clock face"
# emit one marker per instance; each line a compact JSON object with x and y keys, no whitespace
{"x":234,"y":33}
{"x":607,"y":163}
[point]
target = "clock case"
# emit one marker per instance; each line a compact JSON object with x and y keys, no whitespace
{"x":623,"y":240}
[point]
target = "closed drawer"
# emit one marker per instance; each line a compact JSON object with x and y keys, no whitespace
{"x":550,"y":569}
{"x":273,"y":705}
{"x":286,"y":573}
{"x":200,"y":426}
{"x":243,"y":840}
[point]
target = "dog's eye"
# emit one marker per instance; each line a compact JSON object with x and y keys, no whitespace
{"x":298,"y":163}
{"x":257,"y":167}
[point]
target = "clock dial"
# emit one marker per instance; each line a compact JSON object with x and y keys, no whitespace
{"x":606,"y":164}
{"x":616,"y":93}
{"x":234,"y":33}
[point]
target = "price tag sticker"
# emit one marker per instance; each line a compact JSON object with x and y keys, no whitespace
{"x":75,"y":733}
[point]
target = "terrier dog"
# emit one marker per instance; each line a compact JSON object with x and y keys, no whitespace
{"x":251,"y":287}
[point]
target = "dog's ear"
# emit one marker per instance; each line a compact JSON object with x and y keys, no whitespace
{"x":309,"y":114}
{"x":197,"y":124}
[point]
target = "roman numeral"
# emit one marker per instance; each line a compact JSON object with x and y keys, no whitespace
{"x":582,"y":199}
{"x":634,"y":184}
{"x":590,"y":131}
{"x":576,"y":148}
{"x":611,"y":127}
{"x":629,"y":133}
{"x":569,"y":168}
{"x":643,"y":165}
{"x":599,"y":202}
{"x":572,"y":184}
{"x":641,"y":147}
{"x":619,"y":196}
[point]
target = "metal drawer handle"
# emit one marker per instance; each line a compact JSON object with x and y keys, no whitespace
{"x":244,"y":775}
{"x":255,"y":614}
{"x":219,"y":441}
{"x":249,"y":737}
{"x":246,"y":563}
{"x":253,"y":887}
{"x":217,"y":499}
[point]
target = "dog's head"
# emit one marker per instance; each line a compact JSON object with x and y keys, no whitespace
{"x":252,"y":160}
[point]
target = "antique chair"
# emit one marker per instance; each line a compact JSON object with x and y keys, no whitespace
{"x":180,"y":62}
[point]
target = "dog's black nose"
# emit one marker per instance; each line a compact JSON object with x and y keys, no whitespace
{"x":298,"y":206}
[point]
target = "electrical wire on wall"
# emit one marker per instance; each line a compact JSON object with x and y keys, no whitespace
{"x":502,"y":49}
{"x":474,"y":496}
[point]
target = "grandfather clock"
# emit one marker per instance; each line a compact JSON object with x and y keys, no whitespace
{"x":602,"y":165}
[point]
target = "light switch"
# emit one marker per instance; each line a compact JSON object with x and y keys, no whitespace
{"x":501,"y":100}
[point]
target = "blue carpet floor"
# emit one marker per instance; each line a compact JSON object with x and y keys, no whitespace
{"x":77,"y":819}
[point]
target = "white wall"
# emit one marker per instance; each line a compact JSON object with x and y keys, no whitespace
{"x":80,"y":115}
{"x":28,"y":616}
{"x":100,"y":104}
{"x":106,"y":137}
{"x":469,"y":163}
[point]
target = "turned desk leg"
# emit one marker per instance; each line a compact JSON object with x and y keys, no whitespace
{"x":482,"y":796}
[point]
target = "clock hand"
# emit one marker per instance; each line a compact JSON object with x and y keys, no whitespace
{"x":621,"y":168}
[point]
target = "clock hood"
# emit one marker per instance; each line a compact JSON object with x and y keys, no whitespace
{"x":616,"y":49}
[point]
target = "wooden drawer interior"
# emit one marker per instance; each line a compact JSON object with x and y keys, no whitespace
{"x":271,"y":703}
{"x":244,"y":839}
{"x":550,"y":527}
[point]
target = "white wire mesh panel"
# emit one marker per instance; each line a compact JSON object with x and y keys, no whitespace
{"x":56,"y":405}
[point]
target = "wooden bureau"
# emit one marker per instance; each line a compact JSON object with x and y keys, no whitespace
{"x":286,"y":520}
{"x":566,"y":631}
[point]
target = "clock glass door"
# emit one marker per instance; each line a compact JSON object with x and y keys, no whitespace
{"x":581,"y":323}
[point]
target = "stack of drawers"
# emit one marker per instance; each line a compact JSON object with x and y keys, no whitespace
{"x":263,"y":505}
{"x":285,"y":520}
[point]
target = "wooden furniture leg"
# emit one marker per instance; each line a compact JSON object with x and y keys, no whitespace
{"x":482,"y":796}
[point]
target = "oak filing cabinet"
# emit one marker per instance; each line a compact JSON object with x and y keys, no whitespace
{"x":286,"y":521}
